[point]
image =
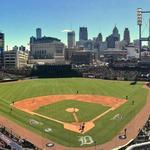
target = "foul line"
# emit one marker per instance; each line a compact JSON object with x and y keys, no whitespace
{"x":101,"y":115}
{"x":49,"y":118}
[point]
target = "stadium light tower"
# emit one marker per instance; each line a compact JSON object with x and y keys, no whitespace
{"x":139,"y":22}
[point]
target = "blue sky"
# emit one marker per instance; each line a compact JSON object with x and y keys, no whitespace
{"x":19,"y":18}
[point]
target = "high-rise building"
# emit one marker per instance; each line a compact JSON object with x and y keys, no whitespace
{"x":15,"y":59}
{"x":116,"y":34}
{"x":2,"y":42}
{"x":126,"y":36}
{"x":71,"y":39}
{"x":110,"y":41}
{"x":38,"y":33}
{"x":97,"y":41}
{"x":46,"y":48}
{"x":22,"y":48}
{"x":83,"y":34}
{"x":15,"y":48}
{"x":149,"y":34}
{"x":100,"y":37}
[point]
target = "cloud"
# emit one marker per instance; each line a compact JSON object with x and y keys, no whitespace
{"x":66,"y":30}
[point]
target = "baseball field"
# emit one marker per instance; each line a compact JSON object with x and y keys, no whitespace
{"x":56,"y":108}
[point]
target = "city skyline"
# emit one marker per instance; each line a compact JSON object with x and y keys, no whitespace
{"x":20,"y":18}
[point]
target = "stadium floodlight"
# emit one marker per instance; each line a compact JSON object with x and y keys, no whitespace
{"x":139,"y":16}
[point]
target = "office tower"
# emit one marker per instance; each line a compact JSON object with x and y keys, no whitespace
{"x":2,"y":41}
{"x":22,"y":48}
{"x":126,"y":36}
{"x":15,"y":48}
{"x":149,"y":34}
{"x":15,"y":59}
{"x":46,"y":48}
{"x":71,"y":39}
{"x":110,"y":41}
{"x":83,"y":34}
{"x":38,"y":33}
{"x":116,"y":34}
{"x":100,"y":37}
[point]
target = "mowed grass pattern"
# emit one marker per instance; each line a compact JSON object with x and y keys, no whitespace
{"x":87,"y":111}
{"x":33,"y":88}
{"x":105,"y":128}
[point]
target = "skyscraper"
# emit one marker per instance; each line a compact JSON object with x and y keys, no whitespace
{"x":116,"y":34}
{"x":110,"y":41}
{"x":83,"y":34}
{"x":126,"y":36}
{"x":100,"y":37}
{"x":38,"y":33}
{"x":71,"y":39}
{"x":1,"y":48}
{"x":97,"y":41}
{"x":149,"y":35}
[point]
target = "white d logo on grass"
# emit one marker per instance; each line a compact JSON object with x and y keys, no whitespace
{"x":86,"y":140}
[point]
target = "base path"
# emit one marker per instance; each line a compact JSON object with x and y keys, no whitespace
{"x":35,"y":103}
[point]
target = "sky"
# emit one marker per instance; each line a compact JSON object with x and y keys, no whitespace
{"x":20,"y":18}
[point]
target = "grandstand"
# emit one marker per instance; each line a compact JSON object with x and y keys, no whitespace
{"x":10,"y":141}
{"x":142,"y":141}
{"x":52,"y":71}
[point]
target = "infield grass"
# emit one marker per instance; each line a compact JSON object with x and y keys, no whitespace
{"x":87,"y":111}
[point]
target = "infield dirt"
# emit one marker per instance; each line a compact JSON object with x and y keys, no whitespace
{"x":31,"y":104}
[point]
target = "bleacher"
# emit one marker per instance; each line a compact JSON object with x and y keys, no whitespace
{"x":54,"y":71}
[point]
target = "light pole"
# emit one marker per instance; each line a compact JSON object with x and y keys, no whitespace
{"x":139,"y":22}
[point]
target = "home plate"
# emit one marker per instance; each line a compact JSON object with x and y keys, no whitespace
{"x":75,"y":127}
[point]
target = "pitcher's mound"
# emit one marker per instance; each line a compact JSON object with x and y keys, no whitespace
{"x":72,"y":110}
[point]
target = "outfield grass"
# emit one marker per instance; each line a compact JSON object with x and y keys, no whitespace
{"x":87,"y":111}
{"x":105,"y":128}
